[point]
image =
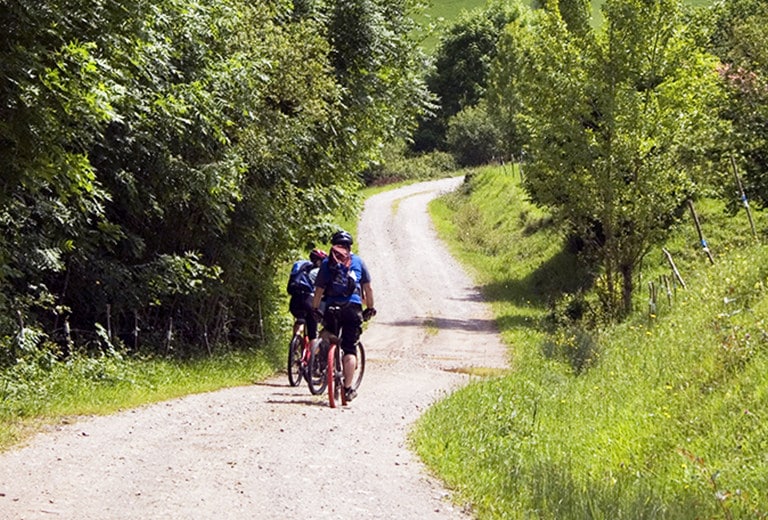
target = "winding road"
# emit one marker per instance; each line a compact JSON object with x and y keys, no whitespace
{"x":270,"y":451}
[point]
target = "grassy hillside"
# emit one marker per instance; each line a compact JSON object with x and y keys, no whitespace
{"x":663,"y":416}
{"x":448,"y":11}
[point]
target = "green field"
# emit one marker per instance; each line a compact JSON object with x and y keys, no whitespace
{"x":441,"y":12}
{"x":450,"y":9}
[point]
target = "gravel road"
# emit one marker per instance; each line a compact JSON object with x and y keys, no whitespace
{"x":270,"y":451}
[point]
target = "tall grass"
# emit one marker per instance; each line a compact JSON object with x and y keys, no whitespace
{"x":671,"y":418}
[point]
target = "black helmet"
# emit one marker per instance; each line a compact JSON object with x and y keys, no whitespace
{"x":341,"y":238}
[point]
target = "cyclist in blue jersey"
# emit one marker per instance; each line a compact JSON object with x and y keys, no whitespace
{"x":343,"y":280}
{"x":300,"y":304}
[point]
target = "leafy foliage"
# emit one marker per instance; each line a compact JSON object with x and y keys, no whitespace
{"x":473,"y":138}
{"x":462,"y":65}
{"x":617,"y":123}
{"x":738,"y":38}
{"x":164,"y":159}
{"x":655,"y":418}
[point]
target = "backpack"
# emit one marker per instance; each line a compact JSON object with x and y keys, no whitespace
{"x":343,"y":282}
{"x":298,"y":281}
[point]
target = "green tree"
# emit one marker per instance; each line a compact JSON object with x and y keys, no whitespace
{"x":462,"y":64}
{"x":378,"y":64}
{"x":473,"y":138}
{"x":165,"y":158}
{"x":739,"y":39}
{"x":54,"y":100}
{"x":618,"y":123}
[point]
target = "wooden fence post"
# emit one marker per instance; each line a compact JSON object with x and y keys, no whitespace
{"x":666,"y":279}
{"x":109,"y":323}
{"x":651,"y":299}
{"x":135,"y":331}
{"x":674,"y":268}
{"x":743,"y":197}
{"x":704,"y":245}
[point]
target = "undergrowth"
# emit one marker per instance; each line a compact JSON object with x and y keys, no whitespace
{"x":664,"y":415}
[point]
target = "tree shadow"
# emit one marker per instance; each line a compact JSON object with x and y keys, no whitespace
{"x":561,"y":274}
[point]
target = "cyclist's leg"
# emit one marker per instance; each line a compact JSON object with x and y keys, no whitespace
{"x":309,"y":317}
{"x":351,"y":323}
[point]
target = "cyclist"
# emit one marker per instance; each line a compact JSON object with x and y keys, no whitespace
{"x":301,"y":303}
{"x":344,"y":280}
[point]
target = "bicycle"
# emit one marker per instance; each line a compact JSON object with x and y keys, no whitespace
{"x":327,"y":360}
{"x":300,"y":361}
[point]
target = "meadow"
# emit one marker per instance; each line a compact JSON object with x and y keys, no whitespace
{"x":660,"y":416}
{"x":444,"y":12}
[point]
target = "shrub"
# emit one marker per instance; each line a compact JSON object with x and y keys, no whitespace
{"x":473,"y":139}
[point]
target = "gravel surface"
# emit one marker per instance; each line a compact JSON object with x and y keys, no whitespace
{"x":272,"y":451}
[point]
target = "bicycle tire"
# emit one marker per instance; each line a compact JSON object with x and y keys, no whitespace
{"x":316,"y":370}
{"x":334,"y":376}
{"x":340,"y":376}
{"x":360,"y":366}
{"x":295,"y":351}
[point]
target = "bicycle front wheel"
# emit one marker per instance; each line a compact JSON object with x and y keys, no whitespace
{"x":317,"y":369}
{"x":335,"y":377}
{"x":360,"y":366}
{"x":294,"y":360}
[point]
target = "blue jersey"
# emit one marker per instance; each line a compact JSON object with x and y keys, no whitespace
{"x":357,"y":270}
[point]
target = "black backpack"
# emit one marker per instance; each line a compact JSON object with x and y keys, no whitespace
{"x":342,"y":282}
{"x":298,"y":281}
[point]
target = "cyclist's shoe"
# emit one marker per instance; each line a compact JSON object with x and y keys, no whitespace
{"x":350,"y":393}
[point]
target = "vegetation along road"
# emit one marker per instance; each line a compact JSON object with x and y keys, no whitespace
{"x":273,"y":451}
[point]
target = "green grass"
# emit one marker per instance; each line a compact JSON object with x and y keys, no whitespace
{"x":33,"y":395}
{"x":443,"y":12}
{"x":669,"y":421}
{"x":450,"y":9}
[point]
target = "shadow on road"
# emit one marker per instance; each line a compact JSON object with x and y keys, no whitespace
{"x":302,"y":401}
{"x":446,"y":323}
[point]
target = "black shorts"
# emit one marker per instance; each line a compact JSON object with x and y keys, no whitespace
{"x":347,"y":321}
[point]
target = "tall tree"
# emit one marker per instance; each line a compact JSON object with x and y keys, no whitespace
{"x":739,"y":39}
{"x":617,"y":123}
{"x":461,"y":66}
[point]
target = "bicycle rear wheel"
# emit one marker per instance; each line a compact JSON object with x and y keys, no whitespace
{"x":317,"y":369}
{"x":294,"y":360}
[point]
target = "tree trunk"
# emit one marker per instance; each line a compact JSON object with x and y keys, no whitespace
{"x":626,"y":288}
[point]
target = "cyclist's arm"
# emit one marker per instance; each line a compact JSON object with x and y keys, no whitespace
{"x":367,"y":295}
{"x":318,"y":297}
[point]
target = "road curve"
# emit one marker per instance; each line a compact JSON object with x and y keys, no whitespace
{"x":270,"y":451}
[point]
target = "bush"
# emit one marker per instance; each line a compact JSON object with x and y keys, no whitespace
{"x":473,"y":139}
{"x":397,"y":166}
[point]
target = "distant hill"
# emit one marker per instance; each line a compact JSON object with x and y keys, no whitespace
{"x":449,"y":10}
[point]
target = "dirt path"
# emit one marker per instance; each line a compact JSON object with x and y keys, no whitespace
{"x":264,"y":451}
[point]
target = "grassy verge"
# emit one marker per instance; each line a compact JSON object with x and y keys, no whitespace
{"x":670,"y":417}
{"x":33,"y":395}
